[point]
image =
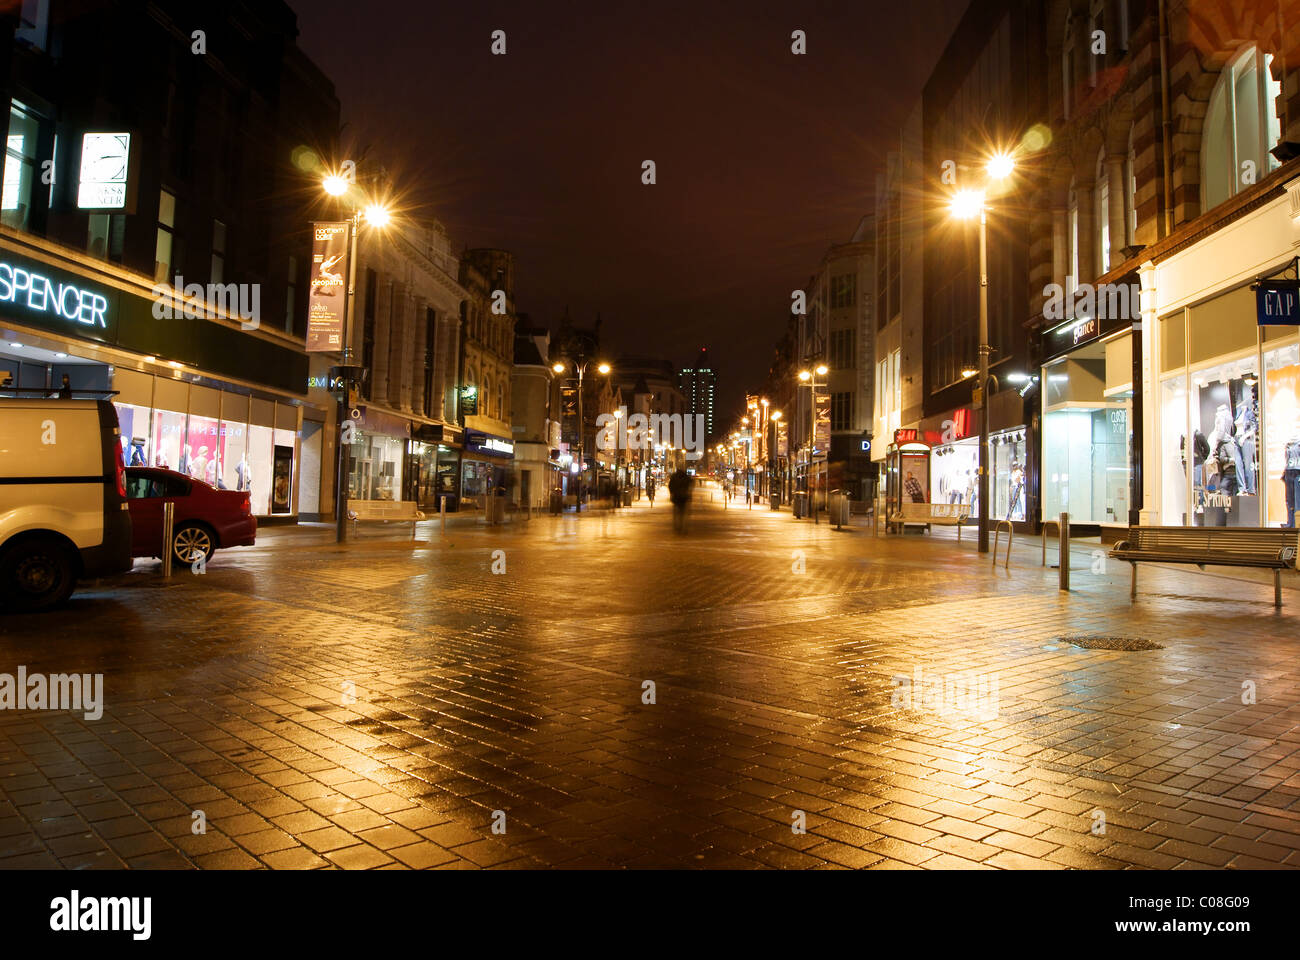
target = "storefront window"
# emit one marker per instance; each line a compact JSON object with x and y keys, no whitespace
{"x":476,"y":480}
{"x":134,"y":423}
{"x":376,"y":467}
{"x":1225,"y":410}
{"x":169,"y":440}
{"x":261,"y":457}
{"x":234,"y":472}
{"x":1085,"y":441}
{"x":203,"y":443}
{"x":1007,"y":476}
{"x":1282,"y":426}
{"x":954,"y":474}
{"x":1173,"y":455}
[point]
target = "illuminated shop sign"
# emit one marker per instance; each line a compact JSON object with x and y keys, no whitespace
{"x":105,"y":162}
{"x":39,"y":294}
{"x":484,"y":443}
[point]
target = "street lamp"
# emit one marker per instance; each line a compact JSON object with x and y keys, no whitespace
{"x":810,"y":378}
{"x":580,"y":365}
{"x":377,"y":215}
{"x":965,"y":205}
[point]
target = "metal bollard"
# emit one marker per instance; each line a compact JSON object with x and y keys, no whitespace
{"x":169,"y":521}
{"x":442,"y":514}
{"x":1064,"y":534}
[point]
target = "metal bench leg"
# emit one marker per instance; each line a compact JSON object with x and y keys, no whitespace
{"x":1133,"y":589}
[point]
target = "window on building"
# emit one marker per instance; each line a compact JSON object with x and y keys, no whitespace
{"x":502,"y":412}
{"x":368,"y":328}
{"x":34,"y":23}
{"x":1072,"y":238}
{"x":842,"y":349}
{"x":218,"y":251}
{"x":1067,"y":68}
{"x":1102,"y":214}
{"x":896,"y":379}
{"x":841,"y":411}
{"x":1095,"y":60}
{"x":486,"y":401}
{"x":1241,"y":126}
{"x":105,"y":233}
{"x":430,"y":338}
{"x":21,"y":169}
{"x":843,"y":291}
{"x":291,"y":294}
{"x":164,"y":248}
{"x":1130,"y":191}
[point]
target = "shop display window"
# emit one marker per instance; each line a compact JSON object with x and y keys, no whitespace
{"x":168,"y":439}
{"x":1007,"y":477}
{"x":202,"y":450}
{"x":136,"y":441}
{"x":1224,"y":411}
{"x":954,"y":474}
{"x":261,"y":460}
{"x":1282,"y":430}
{"x":376,"y":472}
{"x":1173,"y":454}
{"x":234,"y":471}
{"x":1085,"y":442}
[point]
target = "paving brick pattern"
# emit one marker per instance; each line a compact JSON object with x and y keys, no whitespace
{"x":371,"y":706}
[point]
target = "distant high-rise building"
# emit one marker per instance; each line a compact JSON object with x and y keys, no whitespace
{"x":698,"y":385}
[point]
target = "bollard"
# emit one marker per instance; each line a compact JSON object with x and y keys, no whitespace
{"x":1063,"y":532}
{"x":442,"y":514}
{"x":169,"y":520}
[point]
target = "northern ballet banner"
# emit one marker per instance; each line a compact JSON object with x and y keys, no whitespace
{"x":327,"y":302}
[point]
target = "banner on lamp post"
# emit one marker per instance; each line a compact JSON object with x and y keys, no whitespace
{"x":328,"y":298}
{"x":823,"y":436}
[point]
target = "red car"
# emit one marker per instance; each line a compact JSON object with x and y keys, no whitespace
{"x":205,"y":518}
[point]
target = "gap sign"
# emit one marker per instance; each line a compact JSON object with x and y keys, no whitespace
{"x":1277,"y":303}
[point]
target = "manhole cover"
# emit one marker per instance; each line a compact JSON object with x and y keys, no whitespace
{"x":1111,"y":643}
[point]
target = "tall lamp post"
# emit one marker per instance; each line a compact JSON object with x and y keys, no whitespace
{"x":377,"y":215}
{"x":580,"y":365}
{"x":965,"y":205}
{"x":810,"y":377}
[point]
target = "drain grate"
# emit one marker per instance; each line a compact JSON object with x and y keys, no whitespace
{"x":1111,"y":643}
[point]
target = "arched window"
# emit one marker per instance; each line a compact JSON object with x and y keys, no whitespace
{"x":1102,"y":204}
{"x":1130,"y":191}
{"x":486,"y":402}
{"x":1067,"y":67}
{"x":470,"y":385}
{"x":502,"y":412}
{"x":1241,"y":126}
{"x":1072,"y":239}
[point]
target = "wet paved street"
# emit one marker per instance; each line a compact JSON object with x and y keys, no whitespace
{"x":372,"y":706}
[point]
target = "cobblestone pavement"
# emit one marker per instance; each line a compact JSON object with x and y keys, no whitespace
{"x":524,"y":692}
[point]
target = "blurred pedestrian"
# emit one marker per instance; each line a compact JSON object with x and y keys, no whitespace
{"x":650,"y":489}
{"x":679,"y":492}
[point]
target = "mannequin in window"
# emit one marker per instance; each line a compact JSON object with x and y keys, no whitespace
{"x":199,"y":465}
{"x":1017,"y":489}
{"x":1291,"y":474}
{"x":1225,"y":455}
{"x":243,"y":474}
{"x":138,"y":458}
{"x":1247,"y":425}
{"x":184,"y":465}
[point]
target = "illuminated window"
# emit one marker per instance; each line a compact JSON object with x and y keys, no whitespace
{"x":1241,"y":126}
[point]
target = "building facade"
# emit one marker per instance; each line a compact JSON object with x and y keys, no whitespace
{"x":698,"y":385}
{"x":153,"y":189}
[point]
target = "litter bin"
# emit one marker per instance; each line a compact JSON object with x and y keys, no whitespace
{"x":627,"y":498}
{"x":557,"y":502}
{"x":838,"y":508}
{"x":776,"y":501}
{"x":800,"y":505}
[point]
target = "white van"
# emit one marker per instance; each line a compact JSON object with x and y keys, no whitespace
{"x":63,"y":512}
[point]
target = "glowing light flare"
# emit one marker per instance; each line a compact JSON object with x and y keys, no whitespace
{"x":967,"y":203}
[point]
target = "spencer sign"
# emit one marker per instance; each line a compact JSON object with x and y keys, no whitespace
{"x":37,"y":293}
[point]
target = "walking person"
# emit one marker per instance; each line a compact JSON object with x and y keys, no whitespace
{"x":679,"y":492}
{"x":650,"y":490}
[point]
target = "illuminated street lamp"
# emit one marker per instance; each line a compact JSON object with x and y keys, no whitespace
{"x":966,"y":205}
{"x":580,"y":365}
{"x":810,"y":378}
{"x":377,"y":215}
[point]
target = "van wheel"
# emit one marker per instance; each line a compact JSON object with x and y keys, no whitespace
{"x":37,"y":574}
{"x":191,"y":543}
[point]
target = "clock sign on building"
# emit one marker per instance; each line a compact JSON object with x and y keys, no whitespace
{"x":105,"y":167}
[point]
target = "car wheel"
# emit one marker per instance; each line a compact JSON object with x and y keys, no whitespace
{"x":192,"y":543}
{"x":37,"y":574}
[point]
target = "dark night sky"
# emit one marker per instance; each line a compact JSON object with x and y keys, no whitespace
{"x":764,"y":158}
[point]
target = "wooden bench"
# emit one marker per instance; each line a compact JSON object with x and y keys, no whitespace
{"x":400,"y":511}
{"x":931,"y":514}
{"x":1271,"y":548}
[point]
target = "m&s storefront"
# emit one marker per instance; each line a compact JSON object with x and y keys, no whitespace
{"x":194,"y":392}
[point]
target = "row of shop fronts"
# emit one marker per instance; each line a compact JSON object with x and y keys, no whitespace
{"x":239,"y":409}
{"x":1214,"y":437}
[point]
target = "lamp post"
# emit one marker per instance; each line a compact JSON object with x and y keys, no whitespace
{"x":965,"y":204}
{"x":810,"y":377}
{"x":378,"y":215}
{"x":580,"y":365}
